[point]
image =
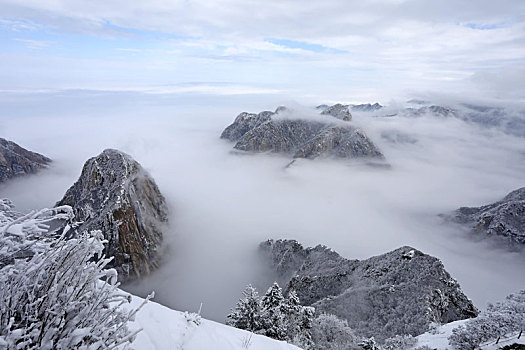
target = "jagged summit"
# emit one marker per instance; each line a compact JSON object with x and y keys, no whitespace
{"x":400,"y":292}
{"x":17,"y":161}
{"x":301,"y":137}
{"x":505,"y":218}
{"x":366,"y":107}
{"x":338,"y":111}
{"x":434,"y":110}
{"x":116,"y":195}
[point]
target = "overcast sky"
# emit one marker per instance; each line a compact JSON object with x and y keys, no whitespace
{"x":330,"y":49}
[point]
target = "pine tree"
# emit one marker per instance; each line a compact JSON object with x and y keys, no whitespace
{"x":247,"y":312}
{"x":274,"y":316}
{"x":298,"y":320}
{"x":274,"y":322}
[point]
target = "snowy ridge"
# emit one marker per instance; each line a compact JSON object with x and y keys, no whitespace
{"x":167,"y":329}
{"x":438,"y":339}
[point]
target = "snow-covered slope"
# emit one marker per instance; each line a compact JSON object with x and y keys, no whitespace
{"x":164,"y":328}
{"x":438,"y":339}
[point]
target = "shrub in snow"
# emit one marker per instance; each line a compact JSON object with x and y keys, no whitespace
{"x":332,"y":333}
{"x":399,"y":342}
{"x":499,"y":319}
{"x":369,"y":344}
{"x":193,"y":317}
{"x":21,"y":236}
{"x":54,"y":297}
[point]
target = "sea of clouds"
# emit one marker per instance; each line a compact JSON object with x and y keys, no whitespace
{"x":223,"y":204}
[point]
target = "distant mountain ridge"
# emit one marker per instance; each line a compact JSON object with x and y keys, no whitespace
{"x":504,"y":218}
{"x":301,"y":137}
{"x":17,"y":161}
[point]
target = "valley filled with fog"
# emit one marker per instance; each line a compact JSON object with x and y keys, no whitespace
{"x":223,"y":204}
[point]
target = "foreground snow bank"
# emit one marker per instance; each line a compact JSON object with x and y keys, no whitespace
{"x":438,"y":339}
{"x":164,"y":328}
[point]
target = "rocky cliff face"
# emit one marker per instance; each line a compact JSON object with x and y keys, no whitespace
{"x":301,"y":137}
{"x":17,"y":161}
{"x":505,"y":218}
{"x":400,"y":292}
{"x":114,"y":194}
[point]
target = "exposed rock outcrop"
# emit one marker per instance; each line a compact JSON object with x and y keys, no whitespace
{"x":244,"y":123}
{"x":505,"y":218}
{"x":338,"y":111}
{"x":17,"y":161}
{"x":301,"y":137}
{"x":115,"y":194}
{"x":439,"y":111}
{"x":366,"y":107}
{"x":342,"y":142}
{"x":400,"y":292}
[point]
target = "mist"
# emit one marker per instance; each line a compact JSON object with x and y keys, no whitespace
{"x":222,"y":205}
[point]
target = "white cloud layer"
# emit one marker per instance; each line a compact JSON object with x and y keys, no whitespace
{"x":223,"y":205}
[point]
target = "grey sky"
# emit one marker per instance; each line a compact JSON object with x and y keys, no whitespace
{"x":325,"y":49}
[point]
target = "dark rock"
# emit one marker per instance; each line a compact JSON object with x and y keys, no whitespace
{"x":17,"y":161}
{"x":366,"y":107}
{"x":301,"y":138}
{"x":244,"y":123}
{"x":401,"y":292}
{"x":338,"y":111}
{"x":341,"y":142}
{"x":280,"y":136}
{"x":505,"y":218}
{"x":432,"y":110}
{"x":115,"y":194}
{"x":514,"y":346}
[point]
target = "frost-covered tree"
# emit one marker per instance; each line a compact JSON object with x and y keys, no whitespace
{"x":22,"y":235}
{"x":273,"y":313}
{"x":332,"y":333}
{"x":247,"y":312}
{"x":55,"y":293}
{"x":298,"y":320}
{"x":498,"y":320}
